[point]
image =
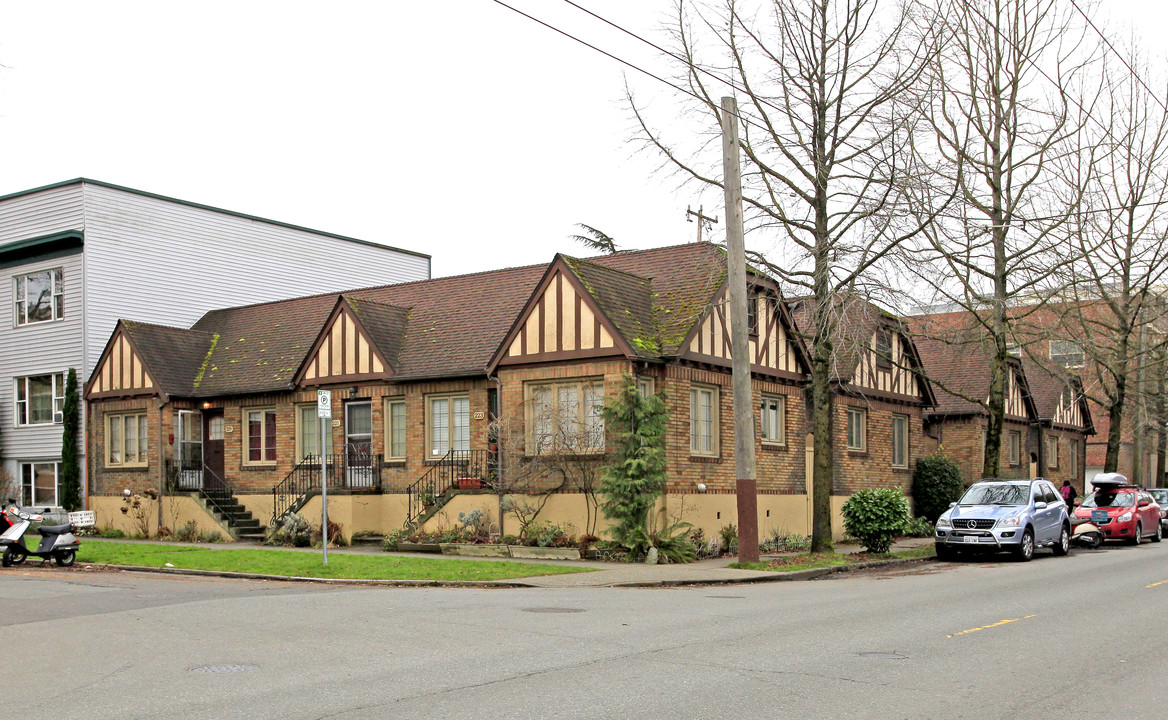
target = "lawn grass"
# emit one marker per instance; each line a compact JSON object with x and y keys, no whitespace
{"x":307,"y":564}
{"x":809,"y":561}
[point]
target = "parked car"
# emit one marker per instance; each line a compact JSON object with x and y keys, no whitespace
{"x":1122,"y":511}
{"x":1005,"y":515}
{"x":1161,"y":495}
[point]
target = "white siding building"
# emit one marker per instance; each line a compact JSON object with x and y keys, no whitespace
{"x":81,"y":254}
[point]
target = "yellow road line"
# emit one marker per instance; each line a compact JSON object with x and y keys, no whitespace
{"x":987,"y":627}
{"x":1162,"y":582}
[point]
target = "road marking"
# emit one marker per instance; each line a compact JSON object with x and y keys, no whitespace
{"x":1162,"y":582}
{"x":987,"y":627}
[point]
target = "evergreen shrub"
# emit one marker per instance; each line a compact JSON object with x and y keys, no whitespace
{"x":876,"y":517}
{"x":936,"y":482}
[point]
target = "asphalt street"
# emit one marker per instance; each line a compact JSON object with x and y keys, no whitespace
{"x":1075,"y":637}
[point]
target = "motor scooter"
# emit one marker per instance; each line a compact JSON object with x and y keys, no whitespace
{"x":57,"y":541}
{"x":1086,"y":533}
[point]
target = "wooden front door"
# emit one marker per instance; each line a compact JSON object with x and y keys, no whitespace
{"x":213,"y":442}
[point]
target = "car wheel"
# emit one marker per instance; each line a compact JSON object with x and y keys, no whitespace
{"x":65,"y":558}
{"x":1159,"y":533}
{"x":1139,"y":536}
{"x":1025,"y":549}
{"x":1063,"y":546}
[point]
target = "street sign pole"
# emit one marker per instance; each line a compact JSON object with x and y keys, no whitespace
{"x":324,"y":412}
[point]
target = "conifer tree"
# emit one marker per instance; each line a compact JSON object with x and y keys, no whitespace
{"x":631,"y":484}
{"x":70,"y":457}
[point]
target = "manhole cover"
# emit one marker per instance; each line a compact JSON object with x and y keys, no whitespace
{"x":553,"y":610}
{"x":222,"y":669}
{"x":883,"y":656}
{"x":727,"y":597}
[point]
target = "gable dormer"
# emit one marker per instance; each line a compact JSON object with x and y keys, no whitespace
{"x":120,"y":370}
{"x":346,"y":349}
{"x":773,"y":349}
{"x":888,"y":363}
{"x":1019,"y":403}
{"x":563,"y":319}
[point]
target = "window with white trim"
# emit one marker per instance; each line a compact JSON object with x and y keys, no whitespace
{"x":259,"y":436}
{"x":772,"y":419}
{"x":125,"y":440}
{"x":1066,"y":353}
{"x":40,"y":399}
{"x":307,"y":432}
{"x":447,"y":425}
{"x":900,"y":441}
{"x":857,"y":428}
{"x":39,"y":483}
{"x":645,"y":386}
{"x":1052,"y":451}
{"x":883,"y":349}
{"x":1015,"y":447}
{"x":395,"y":428}
{"x":39,"y":296}
{"x":565,"y":417}
{"x":703,"y":420}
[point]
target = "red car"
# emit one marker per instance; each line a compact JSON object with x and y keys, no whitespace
{"x":1122,"y":511}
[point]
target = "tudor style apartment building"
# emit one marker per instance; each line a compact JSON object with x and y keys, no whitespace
{"x":80,"y":254}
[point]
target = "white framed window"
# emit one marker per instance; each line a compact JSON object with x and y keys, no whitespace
{"x":125,"y":440}
{"x":566,"y":417}
{"x":40,"y":399}
{"x":447,"y":425}
{"x":772,"y":419}
{"x":1073,"y":461}
{"x":883,"y":349}
{"x":39,"y":296}
{"x":1066,"y":353}
{"x":259,"y":436}
{"x":1015,"y":447}
{"x":703,"y":420}
{"x":395,"y":428}
{"x":857,"y":428}
{"x":307,"y":432}
{"x":900,"y":441}
{"x":39,"y":483}
{"x":1052,"y":451}
{"x":645,"y":386}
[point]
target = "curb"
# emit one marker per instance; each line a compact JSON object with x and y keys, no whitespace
{"x":792,"y":576}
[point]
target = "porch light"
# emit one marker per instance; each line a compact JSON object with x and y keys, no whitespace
{"x":206,"y":406}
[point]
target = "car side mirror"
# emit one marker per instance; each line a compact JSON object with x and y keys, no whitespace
{"x":1040,"y":505}
{"x":952,"y":504}
{"x":1144,"y":503}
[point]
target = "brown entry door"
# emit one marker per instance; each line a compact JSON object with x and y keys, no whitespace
{"x":213,"y":444}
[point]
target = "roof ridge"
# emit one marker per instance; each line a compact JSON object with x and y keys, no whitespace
{"x":127,"y":321}
{"x":644,"y":278}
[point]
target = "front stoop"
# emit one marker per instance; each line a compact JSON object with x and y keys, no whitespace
{"x":235,"y":520}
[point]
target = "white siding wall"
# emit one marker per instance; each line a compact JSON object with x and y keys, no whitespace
{"x":41,"y":213}
{"x":156,"y":261}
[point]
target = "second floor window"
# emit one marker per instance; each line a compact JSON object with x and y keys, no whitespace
{"x":39,"y":297}
{"x":1066,"y":353}
{"x":40,"y":399}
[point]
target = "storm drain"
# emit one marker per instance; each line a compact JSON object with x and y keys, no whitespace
{"x":553,"y":610}
{"x":883,"y":656}
{"x":222,"y":669}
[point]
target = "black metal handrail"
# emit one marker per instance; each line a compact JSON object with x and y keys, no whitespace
{"x":354,"y":469}
{"x":203,"y":480}
{"x":458,"y":469}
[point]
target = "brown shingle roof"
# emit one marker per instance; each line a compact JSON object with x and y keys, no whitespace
{"x":1048,"y":387}
{"x":444,"y":327}
{"x":171,"y":355}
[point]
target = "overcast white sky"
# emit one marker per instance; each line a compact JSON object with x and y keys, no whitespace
{"x":452,"y":127}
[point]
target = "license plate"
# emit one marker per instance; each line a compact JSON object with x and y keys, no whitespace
{"x":972,"y":538}
{"x":1098,"y":515}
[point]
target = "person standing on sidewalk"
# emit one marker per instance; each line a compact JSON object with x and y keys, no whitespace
{"x":1069,"y":495}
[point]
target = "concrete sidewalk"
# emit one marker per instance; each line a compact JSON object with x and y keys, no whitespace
{"x":604,"y":574}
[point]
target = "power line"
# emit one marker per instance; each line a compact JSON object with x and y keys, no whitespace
{"x":1122,"y":59}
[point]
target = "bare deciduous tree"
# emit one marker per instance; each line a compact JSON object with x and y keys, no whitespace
{"x":825,"y":99}
{"x":998,"y":113}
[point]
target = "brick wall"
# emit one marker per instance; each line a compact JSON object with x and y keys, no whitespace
{"x":872,"y":467}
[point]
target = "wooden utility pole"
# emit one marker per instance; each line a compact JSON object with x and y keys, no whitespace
{"x":747,"y":485}
{"x":702,"y":219}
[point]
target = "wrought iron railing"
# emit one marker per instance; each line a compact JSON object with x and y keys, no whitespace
{"x":354,"y":469}
{"x":457,"y":470}
{"x":215,"y":490}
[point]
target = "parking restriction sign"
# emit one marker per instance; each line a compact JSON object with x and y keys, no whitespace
{"x":324,"y":403}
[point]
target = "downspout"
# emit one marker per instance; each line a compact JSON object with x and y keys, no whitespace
{"x":161,"y":465}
